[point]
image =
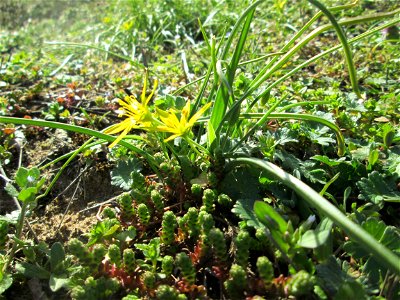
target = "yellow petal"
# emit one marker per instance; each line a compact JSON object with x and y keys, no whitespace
{"x":118,"y":127}
{"x":170,"y":121}
{"x":123,"y":134}
{"x":162,"y":113}
{"x":172,"y":137}
{"x":199,"y":113}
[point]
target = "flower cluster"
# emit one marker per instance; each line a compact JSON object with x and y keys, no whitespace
{"x":138,"y":116}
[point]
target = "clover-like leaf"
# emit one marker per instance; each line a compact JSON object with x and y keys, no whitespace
{"x":121,"y":174}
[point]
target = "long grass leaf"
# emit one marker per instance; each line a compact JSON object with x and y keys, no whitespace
{"x":385,"y":256}
{"x":342,"y":37}
{"x":73,"y":128}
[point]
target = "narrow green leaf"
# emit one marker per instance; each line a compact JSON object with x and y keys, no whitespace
{"x":57,"y":256}
{"x":345,"y":45}
{"x":313,"y":238}
{"x":269,"y":217}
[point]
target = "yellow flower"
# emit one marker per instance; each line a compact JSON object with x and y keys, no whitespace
{"x":137,"y":114}
{"x":181,"y":127}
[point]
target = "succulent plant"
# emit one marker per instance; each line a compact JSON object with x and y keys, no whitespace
{"x":237,"y":282}
{"x":185,"y":265}
{"x":168,"y":226}
{"x":143,"y":213}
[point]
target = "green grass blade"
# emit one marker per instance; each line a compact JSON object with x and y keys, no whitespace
{"x":299,"y":33}
{"x":304,"y":41}
{"x":342,"y":37}
{"x":322,"y":54}
{"x":315,"y":200}
{"x":284,"y":59}
{"x":223,"y":97}
{"x":74,"y":128}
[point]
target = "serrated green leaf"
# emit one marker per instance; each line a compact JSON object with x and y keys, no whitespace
{"x":388,"y":236}
{"x":151,"y":250}
{"x":327,"y":161}
{"x":391,"y":239}
{"x":242,"y":183}
{"x":101,"y":230}
{"x":121,"y":174}
{"x":375,"y":227}
{"x":243,"y":208}
{"x":127,"y":236}
{"x":351,"y":290}
{"x":331,"y":275}
{"x":375,"y":189}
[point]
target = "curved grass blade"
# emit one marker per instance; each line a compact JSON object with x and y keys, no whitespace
{"x":223,"y":98}
{"x":355,"y":231}
{"x":345,"y":45}
{"x":74,"y":128}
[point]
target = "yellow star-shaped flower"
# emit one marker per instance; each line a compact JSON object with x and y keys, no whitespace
{"x":181,"y":127}
{"x":137,"y":114}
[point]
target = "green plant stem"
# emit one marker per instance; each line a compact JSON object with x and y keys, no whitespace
{"x":196,"y":145}
{"x":262,"y":120}
{"x":18,"y":233}
{"x":66,"y":155}
{"x":315,"y":200}
{"x":305,"y":103}
{"x":76,"y":152}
